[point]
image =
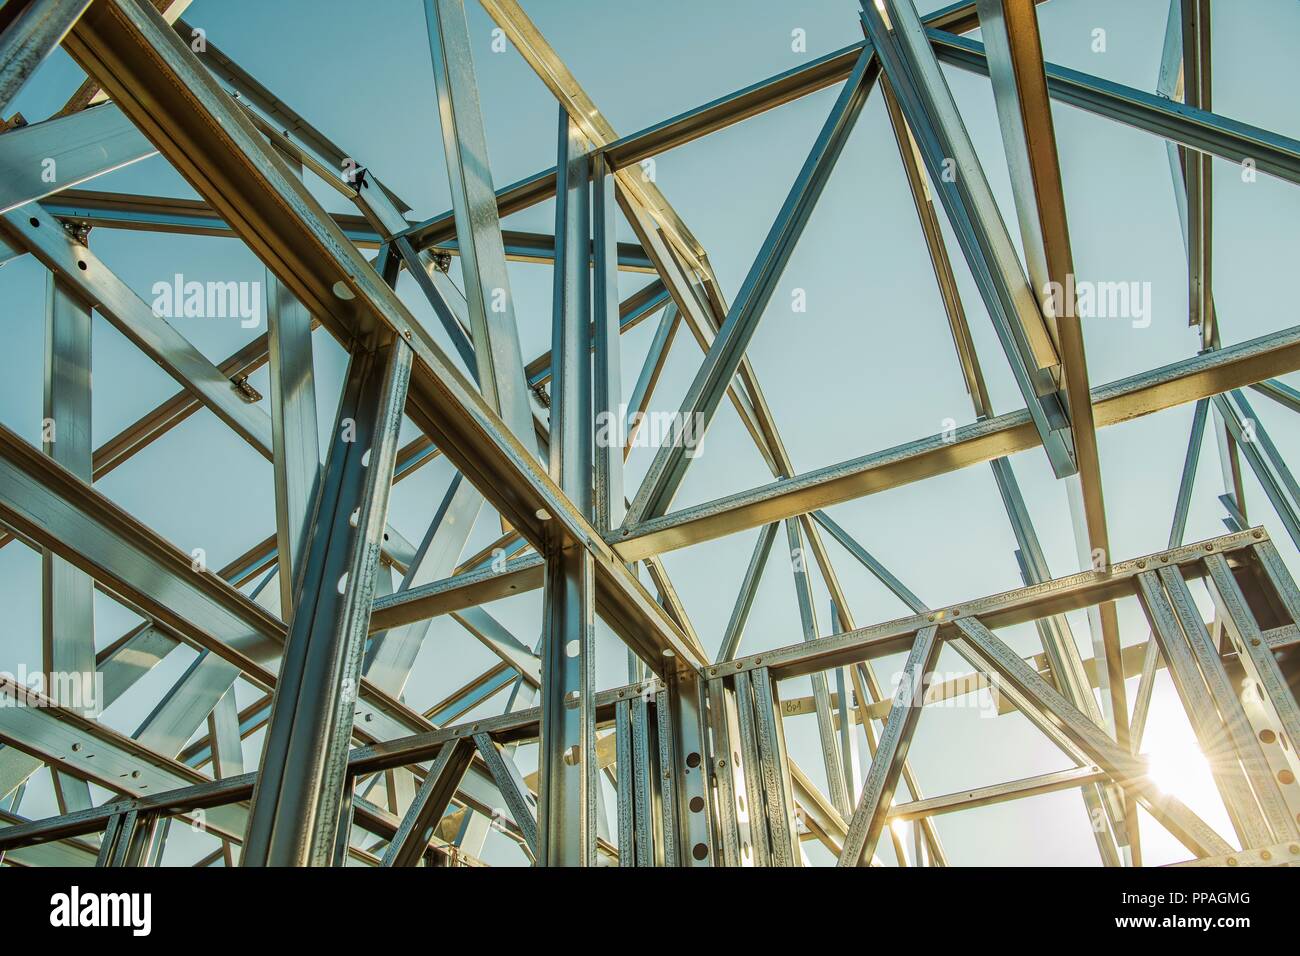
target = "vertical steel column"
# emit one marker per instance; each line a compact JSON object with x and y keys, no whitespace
{"x":667,"y":778}
{"x":128,"y":839}
{"x":568,"y":779}
{"x":821,"y":693}
{"x":645,"y":786}
{"x":847,"y":684}
{"x":774,"y":769}
{"x":571,"y":418}
{"x":626,"y":810}
{"x":608,"y":384}
{"x":751,"y":762}
{"x":724,"y":761}
{"x":690,"y":766}
{"x":67,"y":592}
{"x":296,"y":803}
{"x":1197,"y":170}
{"x":343,"y":828}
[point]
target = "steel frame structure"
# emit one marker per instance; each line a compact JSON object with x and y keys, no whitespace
{"x":695,"y":747}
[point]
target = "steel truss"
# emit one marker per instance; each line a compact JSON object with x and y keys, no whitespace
{"x":694,"y":747}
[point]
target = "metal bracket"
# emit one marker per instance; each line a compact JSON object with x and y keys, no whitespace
{"x":246,"y":391}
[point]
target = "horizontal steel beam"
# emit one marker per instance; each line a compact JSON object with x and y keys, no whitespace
{"x":1200,"y":376}
{"x":997,"y":793}
{"x":194,"y":217}
{"x":995,"y":611}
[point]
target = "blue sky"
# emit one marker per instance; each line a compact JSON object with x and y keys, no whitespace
{"x":870,"y":364}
